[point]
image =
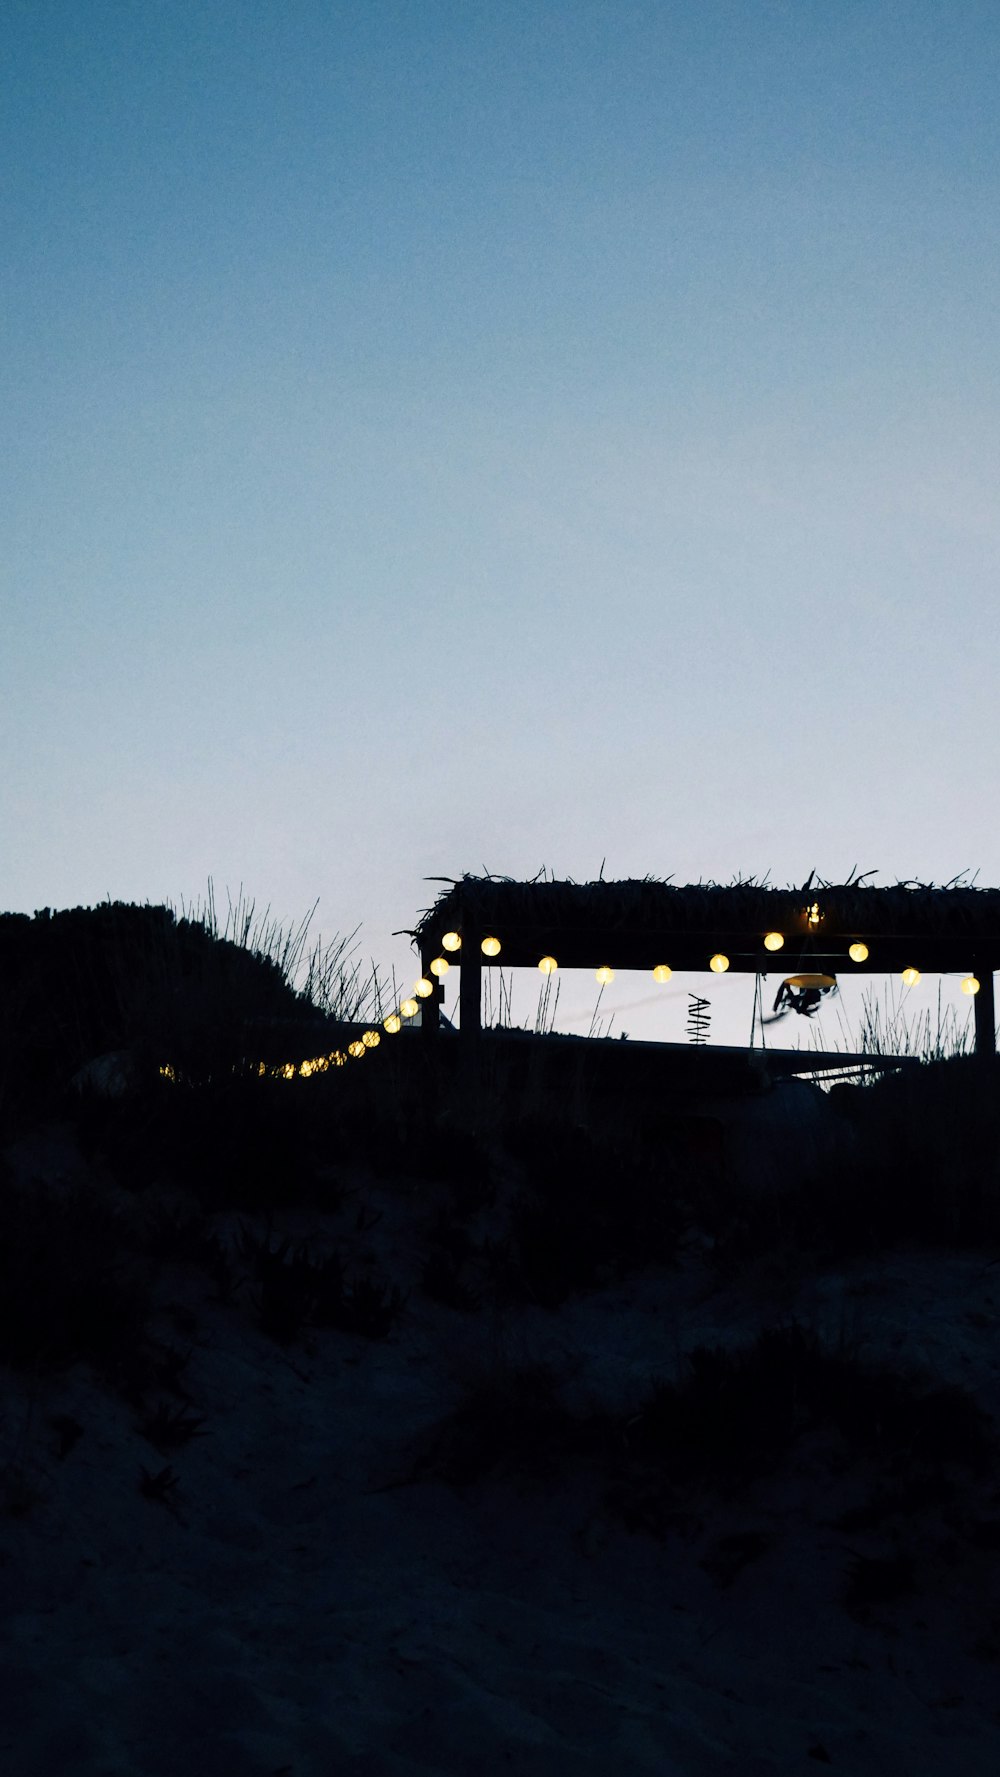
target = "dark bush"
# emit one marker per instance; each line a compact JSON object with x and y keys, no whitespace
{"x":738,"y":1411}
{"x":71,"y":1284}
{"x":293,"y":1291}
{"x":510,"y":1424}
{"x":239,"y":1143}
{"x":594,"y":1207}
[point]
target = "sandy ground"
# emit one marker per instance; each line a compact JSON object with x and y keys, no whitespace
{"x":289,"y":1612}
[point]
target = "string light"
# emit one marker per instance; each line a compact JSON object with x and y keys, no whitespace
{"x":392,"y":1023}
{"x":423,"y":988}
{"x":490,"y":947}
{"x":858,"y":953}
{"x":814,"y":915}
{"x":970,"y":984}
{"x":356,"y":1049}
{"x":408,"y":1008}
{"x":662,"y":972}
{"x":451,"y":941}
{"x":548,"y":965}
{"x":773,"y":941}
{"x":911,"y":977}
{"x":719,"y":964}
{"x":371,"y":1039}
{"x":605,"y":975}
{"x":440,"y":966}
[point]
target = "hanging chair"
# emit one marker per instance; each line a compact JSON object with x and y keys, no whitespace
{"x":803,"y":994}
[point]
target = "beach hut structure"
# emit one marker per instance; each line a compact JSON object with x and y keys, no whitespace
{"x":909,"y":929}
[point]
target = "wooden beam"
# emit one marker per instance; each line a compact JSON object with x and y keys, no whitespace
{"x":470,"y":987}
{"x":430,"y":1008}
{"x":688,"y":952}
{"x":986,"y":1035}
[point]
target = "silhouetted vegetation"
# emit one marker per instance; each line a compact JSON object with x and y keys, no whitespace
{"x":532,"y":1195}
{"x":72,"y":1283}
{"x":911,"y":1160}
{"x":733,"y":1417}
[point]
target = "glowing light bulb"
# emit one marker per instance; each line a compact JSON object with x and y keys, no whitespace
{"x":392,"y":1023}
{"x":662,"y":973}
{"x":814,"y":915}
{"x":371,"y":1039}
{"x":490,"y":947}
{"x":774,"y":941}
{"x":858,"y":953}
{"x":605,"y":975}
{"x":718,"y":963}
{"x":970,"y":984}
{"x":911,"y":977}
{"x":408,"y":1008}
{"x":440,"y":966}
{"x":356,"y":1049}
{"x":451,"y":941}
{"x":423,"y":988}
{"x":548,"y":965}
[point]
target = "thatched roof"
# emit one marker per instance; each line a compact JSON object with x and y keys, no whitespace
{"x":629,"y":923}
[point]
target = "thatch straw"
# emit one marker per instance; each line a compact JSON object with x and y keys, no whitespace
{"x":907,"y":908}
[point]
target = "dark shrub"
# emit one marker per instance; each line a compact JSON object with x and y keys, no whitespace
{"x":738,"y":1411}
{"x":594,"y":1207}
{"x":509,"y":1424}
{"x":71,"y":1284}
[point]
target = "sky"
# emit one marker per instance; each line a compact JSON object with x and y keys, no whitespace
{"x":447,"y":435}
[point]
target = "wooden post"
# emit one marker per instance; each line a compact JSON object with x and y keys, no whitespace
{"x":430,"y":1008}
{"x":470,"y":988}
{"x":986,"y":1035}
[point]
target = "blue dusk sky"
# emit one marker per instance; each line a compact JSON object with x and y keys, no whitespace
{"x":445,"y":436}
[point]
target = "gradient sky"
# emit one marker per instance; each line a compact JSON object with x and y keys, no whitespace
{"x":446,"y":436}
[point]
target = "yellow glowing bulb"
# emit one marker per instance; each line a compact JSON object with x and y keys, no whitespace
{"x":451,"y":941}
{"x":289,"y":1070}
{"x":719,"y":964}
{"x":371,"y":1039}
{"x":548,"y":965}
{"x":357,"y":1050}
{"x":970,"y":984}
{"x":338,"y":1058}
{"x":911,"y":977}
{"x":408,"y":1008}
{"x":858,"y":953}
{"x":440,"y":966}
{"x":306,"y":1069}
{"x":774,"y":941}
{"x":814,"y":915}
{"x":392,"y":1023}
{"x":490,"y":947}
{"x":661,"y":972}
{"x":423,"y":988}
{"x":605,"y":975}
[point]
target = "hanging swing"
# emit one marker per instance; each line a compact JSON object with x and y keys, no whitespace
{"x":803,"y":994}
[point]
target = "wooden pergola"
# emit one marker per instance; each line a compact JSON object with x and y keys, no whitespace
{"x":641,"y":924}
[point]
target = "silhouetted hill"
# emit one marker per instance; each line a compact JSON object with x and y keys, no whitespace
{"x":85,"y":980}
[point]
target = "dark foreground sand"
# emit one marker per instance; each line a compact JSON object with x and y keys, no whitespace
{"x":293,"y":1614}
